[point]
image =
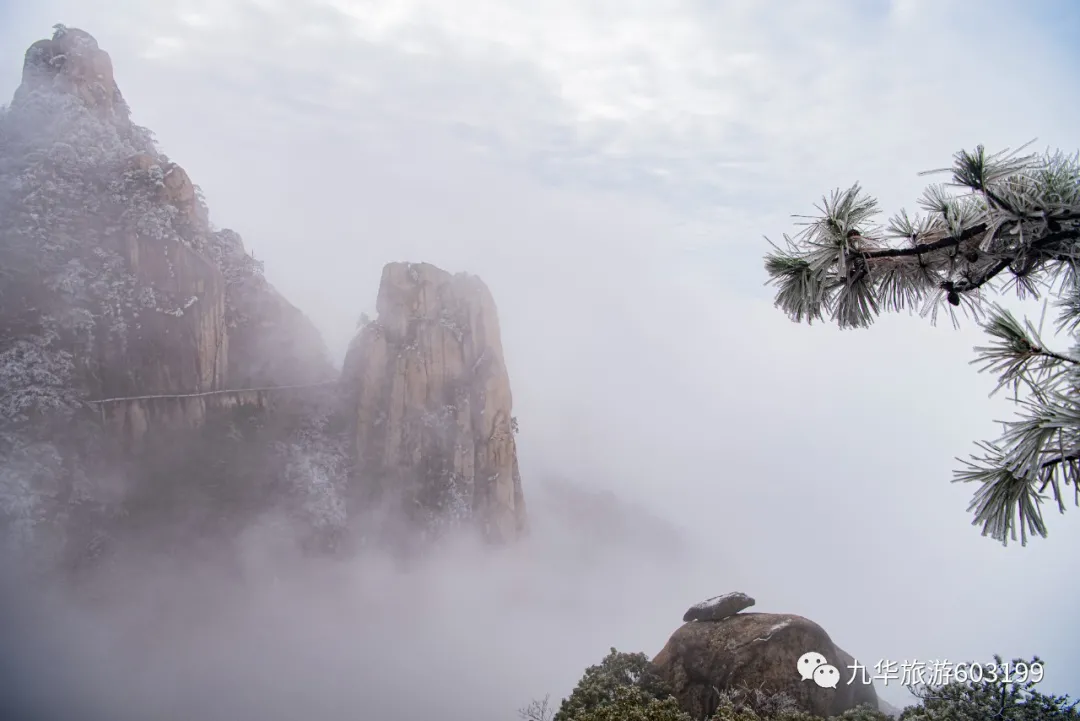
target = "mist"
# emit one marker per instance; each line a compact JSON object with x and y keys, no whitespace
{"x":804,"y":466}
{"x":256,"y":631}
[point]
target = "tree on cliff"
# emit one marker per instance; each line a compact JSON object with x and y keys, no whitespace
{"x":1012,"y":227}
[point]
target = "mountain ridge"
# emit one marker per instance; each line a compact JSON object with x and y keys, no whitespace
{"x":116,"y":285}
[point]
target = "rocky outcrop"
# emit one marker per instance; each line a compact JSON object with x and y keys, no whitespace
{"x":434,"y":428}
{"x":178,"y":341}
{"x":71,"y":63}
{"x":166,"y":304}
{"x":172,"y":186}
{"x":117,"y":290}
{"x":757,"y":651}
{"x":718,"y":608}
{"x":125,"y":309}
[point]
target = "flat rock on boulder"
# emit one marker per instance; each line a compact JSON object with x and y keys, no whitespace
{"x":756,"y":650}
{"x":718,"y":608}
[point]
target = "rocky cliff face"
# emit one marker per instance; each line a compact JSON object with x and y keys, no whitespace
{"x":114,"y":283}
{"x":113,"y":242}
{"x":434,"y":425}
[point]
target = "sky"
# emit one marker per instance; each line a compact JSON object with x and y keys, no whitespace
{"x":610,"y":170}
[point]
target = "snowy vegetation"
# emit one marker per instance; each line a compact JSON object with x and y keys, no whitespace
{"x":62,"y":289}
{"x":622,"y":687}
{"x":242,"y":272}
{"x":1013,"y":226}
{"x":317,"y":465}
{"x":79,"y":187}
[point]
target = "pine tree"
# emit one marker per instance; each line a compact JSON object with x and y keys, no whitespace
{"x":1006,"y":223}
{"x":619,"y":681}
{"x":626,"y":687}
{"x":1009,"y":694}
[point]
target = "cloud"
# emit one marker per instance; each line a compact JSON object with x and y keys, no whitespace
{"x":609,"y":170}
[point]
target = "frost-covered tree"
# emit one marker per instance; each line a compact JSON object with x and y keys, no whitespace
{"x":624,"y":687}
{"x":1006,"y":223}
{"x":315,"y":460}
{"x":1005,"y":694}
{"x":63,"y":292}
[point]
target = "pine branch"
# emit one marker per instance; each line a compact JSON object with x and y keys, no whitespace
{"x":1019,"y":215}
{"x":974,"y":282}
{"x":927,"y":248}
{"x":1071,"y":457}
{"x":1040,"y":451}
{"x":1018,"y":355}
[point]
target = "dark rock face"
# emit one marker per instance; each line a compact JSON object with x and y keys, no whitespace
{"x":756,"y":650}
{"x":718,"y":608}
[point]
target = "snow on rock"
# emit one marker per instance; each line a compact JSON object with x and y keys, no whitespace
{"x":718,"y":608}
{"x":702,"y":661}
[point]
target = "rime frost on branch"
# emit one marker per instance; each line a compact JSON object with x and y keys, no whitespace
{"x":1006,"y":223}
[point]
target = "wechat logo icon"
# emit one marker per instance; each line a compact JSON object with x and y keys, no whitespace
{"x":814,"y":666}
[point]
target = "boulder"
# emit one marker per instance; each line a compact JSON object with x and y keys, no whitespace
{"x":757,"y":651}
{"x":718,"y":608}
